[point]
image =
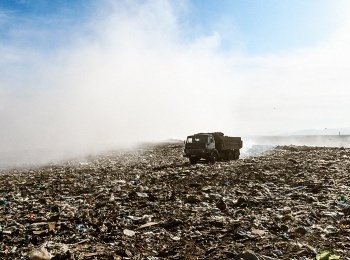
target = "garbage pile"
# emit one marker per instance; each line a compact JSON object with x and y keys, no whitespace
{"x":150,"y":203}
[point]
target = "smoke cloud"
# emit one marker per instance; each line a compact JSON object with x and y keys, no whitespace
{"x":132,"y":72}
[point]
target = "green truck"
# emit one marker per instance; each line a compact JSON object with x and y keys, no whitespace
{"x":212,"y":147}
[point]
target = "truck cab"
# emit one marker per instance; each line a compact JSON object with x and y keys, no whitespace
{"x":199,"y":146}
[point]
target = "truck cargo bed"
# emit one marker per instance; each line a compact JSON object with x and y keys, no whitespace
{"x":232,"y":142}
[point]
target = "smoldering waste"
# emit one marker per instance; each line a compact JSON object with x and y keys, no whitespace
{"x":150,"y":203}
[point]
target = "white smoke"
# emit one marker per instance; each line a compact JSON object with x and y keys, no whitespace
{"x":133,"y":73}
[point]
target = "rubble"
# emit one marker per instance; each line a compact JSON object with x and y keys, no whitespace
{"x":150,"y":203}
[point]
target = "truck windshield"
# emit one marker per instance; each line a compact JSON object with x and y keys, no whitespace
{"x":197,"y":139}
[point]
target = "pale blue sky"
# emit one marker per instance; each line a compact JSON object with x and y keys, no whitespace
{"x":81,"y":73}
{"x":257,"y":27}
{"x":267,"y":26}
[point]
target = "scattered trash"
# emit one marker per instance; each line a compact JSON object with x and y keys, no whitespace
{"x":149,"y":224}
{"x":39,"y":254}
{"x":327,"y":256}
{"x":150,"y":203}
{"x":129,"y":233}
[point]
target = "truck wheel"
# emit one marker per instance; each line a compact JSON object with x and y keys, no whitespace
{"x":213,"y":157}
{"x":236,"y":154}
{"x":193,"y":160}
{"x":230,"y":156}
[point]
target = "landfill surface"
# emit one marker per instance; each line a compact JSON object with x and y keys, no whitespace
{"x":290,"y":202}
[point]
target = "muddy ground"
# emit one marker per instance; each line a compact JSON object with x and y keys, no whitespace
{"x":150,"y":203}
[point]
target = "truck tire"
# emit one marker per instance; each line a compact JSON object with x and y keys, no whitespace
{"x":214,"y":157}
{"x":236,"y":154}
{"x":230,"y":156}
{"x":193,"y":160}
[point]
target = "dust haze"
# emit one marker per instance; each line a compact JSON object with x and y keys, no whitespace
{"x":133,"y":73}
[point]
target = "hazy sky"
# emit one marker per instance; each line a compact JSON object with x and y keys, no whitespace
{"x":78,"y":73}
